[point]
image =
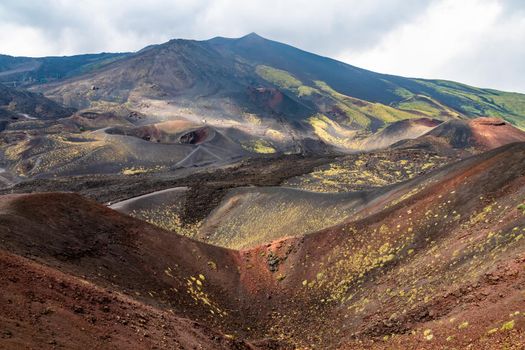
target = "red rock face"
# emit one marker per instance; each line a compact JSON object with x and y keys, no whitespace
{"x":268,"y":98}
{"x":195,"y":137}
{"x":43,"y":308}
{"x":471,"y":136}
{"x":491,"y":133}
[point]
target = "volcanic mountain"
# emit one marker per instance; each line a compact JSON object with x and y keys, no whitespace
{"x":257,"y":75}
{"x":246,"y":194}
{"x":195,"y":104}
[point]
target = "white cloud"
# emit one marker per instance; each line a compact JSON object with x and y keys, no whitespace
{"x":16,"y":39}
{"x":496,"y":59}
{"x":72,"y":26}
{"x":472,"y":41}
{"x":476,"y":41}
{"x":443,"y":32}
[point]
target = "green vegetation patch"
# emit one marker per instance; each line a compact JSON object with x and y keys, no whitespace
{"x":259,"y":146}
{"x":278,"y":77}
{"x":362,"y":112}
{"x":475,"y":102}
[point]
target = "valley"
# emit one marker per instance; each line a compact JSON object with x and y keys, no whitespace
{"x":245,"y":194}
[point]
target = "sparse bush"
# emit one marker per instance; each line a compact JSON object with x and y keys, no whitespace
{"x":508,"y":326}
{"x":463,"y":325}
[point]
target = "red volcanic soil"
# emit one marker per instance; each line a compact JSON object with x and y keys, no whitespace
{"x":43,"y":308}
{"x":436,"y":262}
{"x":161,"y":271}
{"x":426,"y":263}
{"x":267,"y":97}
{"x":476,"y":135}
{"x":430,"y":258}
{"x":491,"y":133}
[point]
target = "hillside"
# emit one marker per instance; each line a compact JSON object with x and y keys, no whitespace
{"x":307,"y":84}
{"x":16,"y":104}
{"x":241,"y":193}
{"x":198,"y":104}
{"x":453,"y":236}
{"x":73,"y":313}
{"x":25,"y":71}
{"x":476,"y":135}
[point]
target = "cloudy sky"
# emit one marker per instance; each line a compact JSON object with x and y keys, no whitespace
{"x":480,"y":42}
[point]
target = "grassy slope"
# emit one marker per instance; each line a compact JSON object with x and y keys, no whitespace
{"x":430,"y":98}
{"x":475,"y":102}
{"x":368,"y":94}
{"x":357,"y":111}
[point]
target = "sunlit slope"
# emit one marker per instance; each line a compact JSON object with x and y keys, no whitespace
{"x":116,"y":151}
{"x":437,"y":266}
{"x":255,"y":75}
{"x":326,"y":197}
{"x":308,"y":73}
{"x":474,"y":102}
{"x":364,"y":171}
{"x":250,"y":216}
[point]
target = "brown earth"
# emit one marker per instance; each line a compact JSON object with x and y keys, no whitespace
{"x":168,"y":273}
{"x":466,"y":136}
{"x":435,"y":264}
{"x":43,"y":308}
{"x":490,"y":133}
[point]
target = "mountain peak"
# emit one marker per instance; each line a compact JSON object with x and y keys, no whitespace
{"x":252,"y":36}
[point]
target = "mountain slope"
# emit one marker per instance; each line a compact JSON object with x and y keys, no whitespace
{"x":223,"y":69}
{"x":453,"y":236}
{"x":23,"y":71}
{"x":19,"y":103}
{"x":67,"y":311}
{"x":476,"y":135}
{"x":61,"y":231}
{"x":257,"y":96}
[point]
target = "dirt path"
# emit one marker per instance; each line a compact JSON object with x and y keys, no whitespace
{"x":119,"y":206}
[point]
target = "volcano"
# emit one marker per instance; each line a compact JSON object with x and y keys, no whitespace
{"x":241,"y":193}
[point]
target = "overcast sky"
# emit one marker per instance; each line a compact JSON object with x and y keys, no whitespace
{"x":479,"y":42}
